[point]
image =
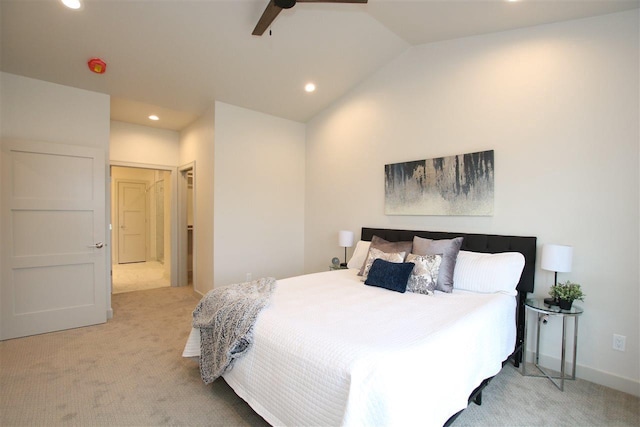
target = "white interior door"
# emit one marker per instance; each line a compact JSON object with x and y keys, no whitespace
{"x":53,"y":226}
{"x":132,"y":222}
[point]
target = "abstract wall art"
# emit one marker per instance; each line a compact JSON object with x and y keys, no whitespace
{"x":454,"y":185}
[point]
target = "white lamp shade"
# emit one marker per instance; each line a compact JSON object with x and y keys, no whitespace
{"x":556,"y":258}
{"x":345,"y":238}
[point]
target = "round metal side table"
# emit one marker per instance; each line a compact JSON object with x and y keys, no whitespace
{"x":543,"y":310}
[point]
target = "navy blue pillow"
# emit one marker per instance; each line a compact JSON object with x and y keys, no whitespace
{"x":389,"y":275}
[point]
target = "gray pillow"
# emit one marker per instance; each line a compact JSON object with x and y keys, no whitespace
{"x":386,"y":247}
{"x":449,"y":249}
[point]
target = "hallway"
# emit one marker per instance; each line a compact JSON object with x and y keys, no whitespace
{"x":138,"y":276}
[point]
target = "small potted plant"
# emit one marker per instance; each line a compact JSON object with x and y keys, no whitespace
{"x":566,"y":293}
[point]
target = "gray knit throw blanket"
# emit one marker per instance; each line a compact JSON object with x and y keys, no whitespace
{"x":225,"y":317}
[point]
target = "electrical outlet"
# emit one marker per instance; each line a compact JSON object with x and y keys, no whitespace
{"x":248,"y":277}
{"x":619,"y":342}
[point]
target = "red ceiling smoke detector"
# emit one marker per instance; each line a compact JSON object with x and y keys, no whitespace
{"x":97,"y":65}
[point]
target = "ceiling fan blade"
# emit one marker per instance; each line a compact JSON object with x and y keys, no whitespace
{"x":332,"y":1}
{"x":272,"y":10}
{"x":267,"y":18}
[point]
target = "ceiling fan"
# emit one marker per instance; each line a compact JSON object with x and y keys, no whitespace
{"x":275,"y":7}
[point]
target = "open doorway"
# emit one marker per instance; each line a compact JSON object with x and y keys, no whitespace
{"x":186,"y":225}
{"x":141,"y":228}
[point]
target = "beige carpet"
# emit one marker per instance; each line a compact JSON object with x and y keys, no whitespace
{"x":129,"y":372}
{"x":138,"y":276}
{"x":513,"y":400}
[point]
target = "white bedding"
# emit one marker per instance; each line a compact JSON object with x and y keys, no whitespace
{"x":330,"y":350}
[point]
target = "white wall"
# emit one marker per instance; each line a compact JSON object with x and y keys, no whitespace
{"x":259,"y":195}
{"x":559,"y":105}
{"x":41,"y":111}
{"x":196,"y":145}
{"x":142,"y":144}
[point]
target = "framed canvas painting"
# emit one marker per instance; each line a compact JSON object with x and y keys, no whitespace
{"x":454,"y":185}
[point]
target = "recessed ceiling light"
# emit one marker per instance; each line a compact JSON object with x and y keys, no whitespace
{"x":72,"y":4}
{"x":154,"y":117}
{"x":310,"y":87}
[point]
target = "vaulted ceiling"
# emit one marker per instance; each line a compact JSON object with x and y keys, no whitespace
{"x":175,"y":57}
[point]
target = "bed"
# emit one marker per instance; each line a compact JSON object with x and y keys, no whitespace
{"x":329,"y":350}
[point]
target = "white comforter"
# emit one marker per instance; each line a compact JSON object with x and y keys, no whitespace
{"x":330,"y":350}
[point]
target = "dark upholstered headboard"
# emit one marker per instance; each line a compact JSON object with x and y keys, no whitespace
{"x":488,"y":243}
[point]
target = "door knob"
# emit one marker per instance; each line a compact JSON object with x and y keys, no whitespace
{"x":98,"y":245}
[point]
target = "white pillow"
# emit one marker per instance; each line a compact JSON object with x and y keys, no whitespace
{"x":488,"y":273}
{"x":359,"y":255}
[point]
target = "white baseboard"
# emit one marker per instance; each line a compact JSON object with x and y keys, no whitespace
{"x":110,"y":313}
{"x":596,"y":376}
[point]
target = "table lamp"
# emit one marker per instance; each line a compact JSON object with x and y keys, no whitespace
{"x":556,"y":258}
{"x":345,"y":239}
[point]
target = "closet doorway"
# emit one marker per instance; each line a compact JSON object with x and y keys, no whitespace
{"x":141,"y":223}
{"x":186,"y":224}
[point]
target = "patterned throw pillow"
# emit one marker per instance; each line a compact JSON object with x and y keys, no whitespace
{"x":375,"y":254}
{"x":425,"y":273}
{"x":387,"y":247}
